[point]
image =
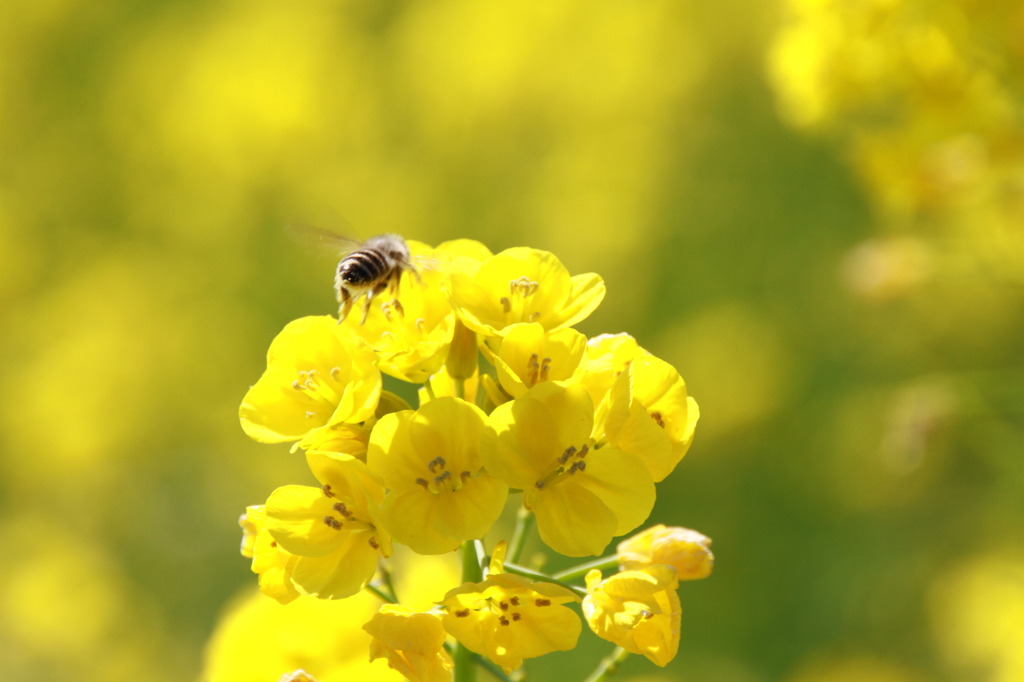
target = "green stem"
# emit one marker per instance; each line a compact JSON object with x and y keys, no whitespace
{"x":465,"y":660}
{"x":609,"y":665}
{"x":429,"y":389}
{"x":524,"y":524}
{"x":492,"y":668}
{"x":385,"y":572}
{"x":581,"y":570}
{"x":385,"y":595}
{"x":537,"y":575}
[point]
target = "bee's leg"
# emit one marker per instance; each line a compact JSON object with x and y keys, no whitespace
{"x":377,"y":288}
{"x":345,"y":298}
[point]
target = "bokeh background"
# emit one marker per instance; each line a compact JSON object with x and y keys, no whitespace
{"x":814,"y":209}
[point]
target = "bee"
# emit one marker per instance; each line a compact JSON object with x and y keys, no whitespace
{"x":374,"y":266}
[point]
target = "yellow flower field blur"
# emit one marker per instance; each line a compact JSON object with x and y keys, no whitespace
{"x":814,"y":210}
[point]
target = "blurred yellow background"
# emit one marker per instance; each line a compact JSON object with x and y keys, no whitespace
{"x":814,"y":209}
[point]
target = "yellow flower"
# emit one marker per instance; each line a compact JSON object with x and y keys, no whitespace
{"x":637,"y":610}
{"x":508,"y":618}
{"x":685,"y":550}
{"x":582,"y":495}
{"x":528,"y":355}
{"x":316,"y":375}
{"x":331,"y":529}
{"x":642,"y":402}
{"x":412,"y":643}
{"x":429,"y":460}
{"x":648,"y":413}
{"x":524,"y":285}
{"x":411,"y":332}
{"x":273,"y":565}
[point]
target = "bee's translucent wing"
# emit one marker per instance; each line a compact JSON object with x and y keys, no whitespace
{"x":321,"y":239}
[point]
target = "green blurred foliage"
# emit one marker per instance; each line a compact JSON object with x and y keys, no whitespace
{"x":858,"y":462}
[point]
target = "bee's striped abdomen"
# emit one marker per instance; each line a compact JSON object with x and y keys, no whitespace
{"x":363,"y":267}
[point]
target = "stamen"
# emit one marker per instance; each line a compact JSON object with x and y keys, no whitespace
{"x":517,"y":616}
{"x":332,"y":522}
{"x":423,"y":482}
{"x":658,"y":419}
{"x":542,"y":602}
{"x":523,"y":286}
{"x":342,"y":509}
{"x":533,"y":365}
{"x":465,"y":476}
{"x":392,"y":308}
{"x":373,"y":543}
{"x":515,"y":601}
{"x":327,"y":490}
{"x":558,"y":469}
{"x":336,"y":373}
{"x":435,"y":464}
{"x":545,"y":368}
{"x":503,"y":605}
{"x":506,"y":304}
{"x":462,"y":613}
{"x":534,"y":316}
{"x":503,"y":621}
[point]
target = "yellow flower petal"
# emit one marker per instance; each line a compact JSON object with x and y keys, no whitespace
{"x":340,"y":573}
{"x":555,"y":512}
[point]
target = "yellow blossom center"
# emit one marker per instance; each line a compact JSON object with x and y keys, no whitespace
{"x":571,"y":461}
{"x":505,"y":609}
{"x":319,"y":391}
{"x":440,"y":478}
{"x":515,"y":304}
{"x":537,"y":370}
{"x":343,"y":517}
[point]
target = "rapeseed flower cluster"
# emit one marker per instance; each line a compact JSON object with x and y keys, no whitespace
{"x":513,"y":404}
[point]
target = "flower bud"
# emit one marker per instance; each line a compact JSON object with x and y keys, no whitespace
{"x":688,"y":551}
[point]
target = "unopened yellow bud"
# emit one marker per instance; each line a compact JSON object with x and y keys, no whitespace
{"x":688,"y":551}
{"x":462,"y":356}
